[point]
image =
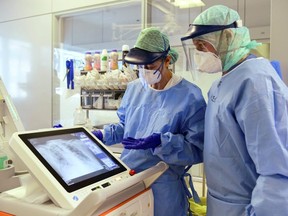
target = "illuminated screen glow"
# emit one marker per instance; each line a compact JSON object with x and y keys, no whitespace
{"x":74,"y":157}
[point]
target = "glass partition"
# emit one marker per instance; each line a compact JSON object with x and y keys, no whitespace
{"x":106,"y":27}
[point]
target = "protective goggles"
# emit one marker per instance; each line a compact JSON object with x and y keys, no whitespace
{"x":139,"y":56}
{"x":198,"y":30}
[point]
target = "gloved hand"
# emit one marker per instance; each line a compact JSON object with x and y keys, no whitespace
{"x":57,"y":126}
{"x":98,"y":134}
{"x":143,"y":143}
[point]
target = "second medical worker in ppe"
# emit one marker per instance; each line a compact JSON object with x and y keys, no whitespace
{"x":161,"y":118}
{"x":246,"y":133}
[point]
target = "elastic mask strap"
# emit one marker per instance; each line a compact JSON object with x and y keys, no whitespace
{"x":158,"y":69}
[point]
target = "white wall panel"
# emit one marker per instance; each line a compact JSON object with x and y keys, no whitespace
{"x":16,"y":9}
{"x":231,"y":4}
{"x":108,"y":27}
{"x":254,"y":13}
{"x":64,"y":5}
{"x":257,"y":13}
{"x":260,"y":33}
{"x":279,"y":32}
{"x":25,"y":67}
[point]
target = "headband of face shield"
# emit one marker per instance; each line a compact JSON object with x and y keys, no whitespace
{"x":196,"y":30}
{"x":203,"y":60}
{"x":139,"y":56}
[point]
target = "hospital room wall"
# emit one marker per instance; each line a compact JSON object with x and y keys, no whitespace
{"x":25,"y":67}
{"x":279,"y":32}
{"x":26,"y":55}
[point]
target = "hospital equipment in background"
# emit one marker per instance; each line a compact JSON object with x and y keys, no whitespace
{"x":103,"y":185}
{"x":10,"y":122}
{"x":9,"y":118}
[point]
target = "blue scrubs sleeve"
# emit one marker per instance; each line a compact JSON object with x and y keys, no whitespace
{"x":264,"y":122}
{"x":187,"y":147}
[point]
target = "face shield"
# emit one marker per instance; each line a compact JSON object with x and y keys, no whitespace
{"x":197,"y":55}
{"x":201,"y":57}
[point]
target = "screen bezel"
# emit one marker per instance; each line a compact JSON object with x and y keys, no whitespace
{"x":70,"y":188}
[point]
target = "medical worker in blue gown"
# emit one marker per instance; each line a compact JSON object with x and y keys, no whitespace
{"x":161,"y":118}
{"x":246,"y":121}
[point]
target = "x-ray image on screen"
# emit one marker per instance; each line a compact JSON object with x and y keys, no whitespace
{"x":73,"y":156}
{"x":73,"y":163}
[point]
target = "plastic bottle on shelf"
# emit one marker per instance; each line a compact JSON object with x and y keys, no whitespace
{"x":114,"y":60}
{"x":125,"y":51}
{"x":104,"y":60}
{"x":79,"y":116}
{"x":88,"y":61}
{"x":97,"y":61}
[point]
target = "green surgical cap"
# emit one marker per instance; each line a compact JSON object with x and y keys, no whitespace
{"x":153,"y":40}
{"x":231,"y":44}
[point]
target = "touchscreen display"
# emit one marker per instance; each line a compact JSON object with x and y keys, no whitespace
{"x":73,"y":156}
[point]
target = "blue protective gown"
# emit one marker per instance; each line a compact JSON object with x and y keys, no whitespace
{"x":246,"y":142}
{"x":178,"y":114}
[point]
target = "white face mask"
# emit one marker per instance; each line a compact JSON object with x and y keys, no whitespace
{"x":149,"y":76}
{"x":207,"y":62}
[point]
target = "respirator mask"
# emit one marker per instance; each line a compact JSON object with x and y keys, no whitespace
{"x":148,"y":76}
{"x":207,"y":62}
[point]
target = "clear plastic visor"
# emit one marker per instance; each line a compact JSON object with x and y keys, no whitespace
{"x":194,"y":50}
{"x":189,"y":50}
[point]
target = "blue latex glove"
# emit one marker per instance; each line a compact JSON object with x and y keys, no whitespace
{"x":98,"y":134}
{"x":57,"y":126}
{"x":143,"y":143}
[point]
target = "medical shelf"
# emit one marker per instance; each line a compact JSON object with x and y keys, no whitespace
{"x":104,"y":99}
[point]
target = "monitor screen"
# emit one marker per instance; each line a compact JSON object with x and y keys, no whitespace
{"x":73,"y":156}
{"x":68,"y":163}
